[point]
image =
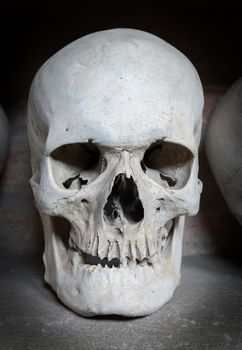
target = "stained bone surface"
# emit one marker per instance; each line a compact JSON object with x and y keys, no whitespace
{"x":114,"y":122}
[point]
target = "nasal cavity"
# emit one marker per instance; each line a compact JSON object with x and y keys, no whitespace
{"x":124,"y":201}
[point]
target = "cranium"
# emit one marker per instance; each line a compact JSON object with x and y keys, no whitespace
{"x":114,"y":124}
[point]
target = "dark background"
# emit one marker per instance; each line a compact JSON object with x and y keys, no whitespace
{"x":208,"y":32}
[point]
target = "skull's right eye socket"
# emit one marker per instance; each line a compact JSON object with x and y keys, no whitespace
{"x":76,"y":165}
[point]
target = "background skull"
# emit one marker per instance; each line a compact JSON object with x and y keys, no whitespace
{"x":114,"y":123}
{"x":223,"y":147}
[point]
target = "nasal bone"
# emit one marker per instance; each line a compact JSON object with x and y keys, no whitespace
{"x":125,"y":163}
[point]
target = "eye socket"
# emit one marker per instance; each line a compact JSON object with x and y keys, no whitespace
{"x":76,"y":165}
{"x":168,"y":164}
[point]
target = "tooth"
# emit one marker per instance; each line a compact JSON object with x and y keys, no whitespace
{"x":95,"y":246}
{"x":164,"y":231}
{"x":124,"y":261}
{"x":127,"y":249}
{"x":141,"y":247}
{"x":120,"y":247}
{"x":89,"y":242}
{"x":154,"y":259}
{"x":168,"y":226}
{"x":133,"y":251}
{"x":77,"y":237}
{"x":131,"y":263}
{"x":76,"y":259}
{"x":84,"y":244}
{"x":74,"y":241}
{"x":103,"y":248}
{"x":151,"y":247}
{"x":113,"y":251}
{"x":144,"y":262}
{"x":138,"y":253}
{"x":91,"y":267}
{"x":147,"y":246}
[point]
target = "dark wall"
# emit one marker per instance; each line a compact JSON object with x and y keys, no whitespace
{"x":208,"y":32}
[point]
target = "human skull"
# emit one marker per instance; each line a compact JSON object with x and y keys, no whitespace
{"x":114,"y":123}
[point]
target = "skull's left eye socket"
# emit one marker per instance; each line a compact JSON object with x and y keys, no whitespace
{"x":168,"y":164}
{"x":76,"y":165}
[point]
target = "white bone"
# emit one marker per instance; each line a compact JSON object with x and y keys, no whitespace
{"x":95,"y":109}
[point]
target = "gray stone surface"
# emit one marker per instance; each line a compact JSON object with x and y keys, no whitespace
{"x":205,"y":313}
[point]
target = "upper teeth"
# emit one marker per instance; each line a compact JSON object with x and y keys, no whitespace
{"x":125,"y":252}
